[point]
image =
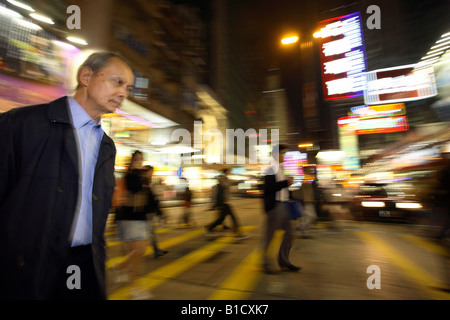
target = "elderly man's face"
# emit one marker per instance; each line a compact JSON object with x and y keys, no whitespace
{"x":110,"y":86}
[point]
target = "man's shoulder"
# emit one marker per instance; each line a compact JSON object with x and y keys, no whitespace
{"x":31,"y":111}
{"x":26,"y":111}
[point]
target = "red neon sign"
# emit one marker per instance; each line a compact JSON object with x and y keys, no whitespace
{"x":342,"y":56}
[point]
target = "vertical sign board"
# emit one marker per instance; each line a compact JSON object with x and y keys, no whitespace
{"x":348,"y":142}
{"x":342,"y":56}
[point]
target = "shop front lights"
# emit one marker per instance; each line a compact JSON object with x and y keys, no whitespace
{"x":77,"y":40}
{"x":21,"y":5}
{"x":41,"y":18}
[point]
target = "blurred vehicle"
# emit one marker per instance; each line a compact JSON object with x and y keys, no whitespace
{"x":385,"y":202}
{"x":252,"y":187}
{"x":334,"y":194}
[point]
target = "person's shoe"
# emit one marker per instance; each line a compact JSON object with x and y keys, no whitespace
{"x":207,"y":232}
{"x":290,"y":267}
{"x":160,"y":253}
{"x":269,"y":270}
{"x":242,"y":236}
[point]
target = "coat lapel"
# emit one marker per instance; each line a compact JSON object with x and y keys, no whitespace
{"x":107,"y":150}
{"x":106,"y":154}
{"x":59,"y":113}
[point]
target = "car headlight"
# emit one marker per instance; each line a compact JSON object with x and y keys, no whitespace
{"x":408,"y":205}
{"x":372,"y":204}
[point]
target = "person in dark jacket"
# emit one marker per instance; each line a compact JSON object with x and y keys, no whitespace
{"x":276,"y":194}
{"x":56,"y":186}
{"x":222,"y":202}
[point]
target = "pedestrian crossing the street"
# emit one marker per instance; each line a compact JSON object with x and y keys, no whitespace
{"x":226,"y":268}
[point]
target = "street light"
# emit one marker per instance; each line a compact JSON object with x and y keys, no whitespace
{"x":305,"y":145}
{"x":290,"y":40}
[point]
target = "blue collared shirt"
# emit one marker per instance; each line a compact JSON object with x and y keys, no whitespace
{"x":89,"y":135}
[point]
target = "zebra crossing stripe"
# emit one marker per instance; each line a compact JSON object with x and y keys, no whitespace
{"x":159,"y":276}
{"x":163,"y":245}
{"x":423,"y":279}
{"x":239,"y":284}
{"x":243,"y":279}
{"x":427,"y":245}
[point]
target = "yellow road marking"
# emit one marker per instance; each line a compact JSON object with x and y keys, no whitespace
{"x":426,"y":244}
{"x":171,"y":270}
{"x":421,"y":277}
{"x":158,"y":231}
{"x":243,"y":279}
{"x":163,"y":245}
{"x":238,"y":285}
{"x":275,"y":244}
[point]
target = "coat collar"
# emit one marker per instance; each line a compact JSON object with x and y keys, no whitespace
{"x":58,"y":110}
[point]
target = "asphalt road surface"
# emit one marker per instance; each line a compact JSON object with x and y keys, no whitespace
{"x":341,"y":260}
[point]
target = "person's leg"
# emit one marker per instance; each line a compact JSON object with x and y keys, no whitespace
{"x":270,"y":228}
{"x":286,"y":244}
{"x":219,"y":220}
{"x":135,"y":234}
{"x":229,"y":212}
{"x":138,"y":291}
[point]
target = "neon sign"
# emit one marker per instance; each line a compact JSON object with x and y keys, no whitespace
{"x":343,"y":57}
{"x":293,"y":164}
{"x":360,"y":125}
{"x":396,"y":109}
{"x":399,"y":84}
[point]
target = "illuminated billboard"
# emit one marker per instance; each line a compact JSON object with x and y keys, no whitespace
{"x":374,"y":125}
{"x":400,"y":84}
{"x":375,"y":119}
{"x":293,"y":164}
{"x":342,"y":56}
{"x":382,"y":110}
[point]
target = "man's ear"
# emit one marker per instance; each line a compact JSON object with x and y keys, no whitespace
{"x":84,"y":76}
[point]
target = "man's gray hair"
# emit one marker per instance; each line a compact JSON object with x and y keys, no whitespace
{"x":97,"y":61}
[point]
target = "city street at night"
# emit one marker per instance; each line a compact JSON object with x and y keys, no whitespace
{"x":318,"y":129}
{"x":335,"y":261}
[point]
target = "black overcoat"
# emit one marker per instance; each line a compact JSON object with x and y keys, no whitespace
{"x":39,"y":169}
{"x":271,"y":187}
